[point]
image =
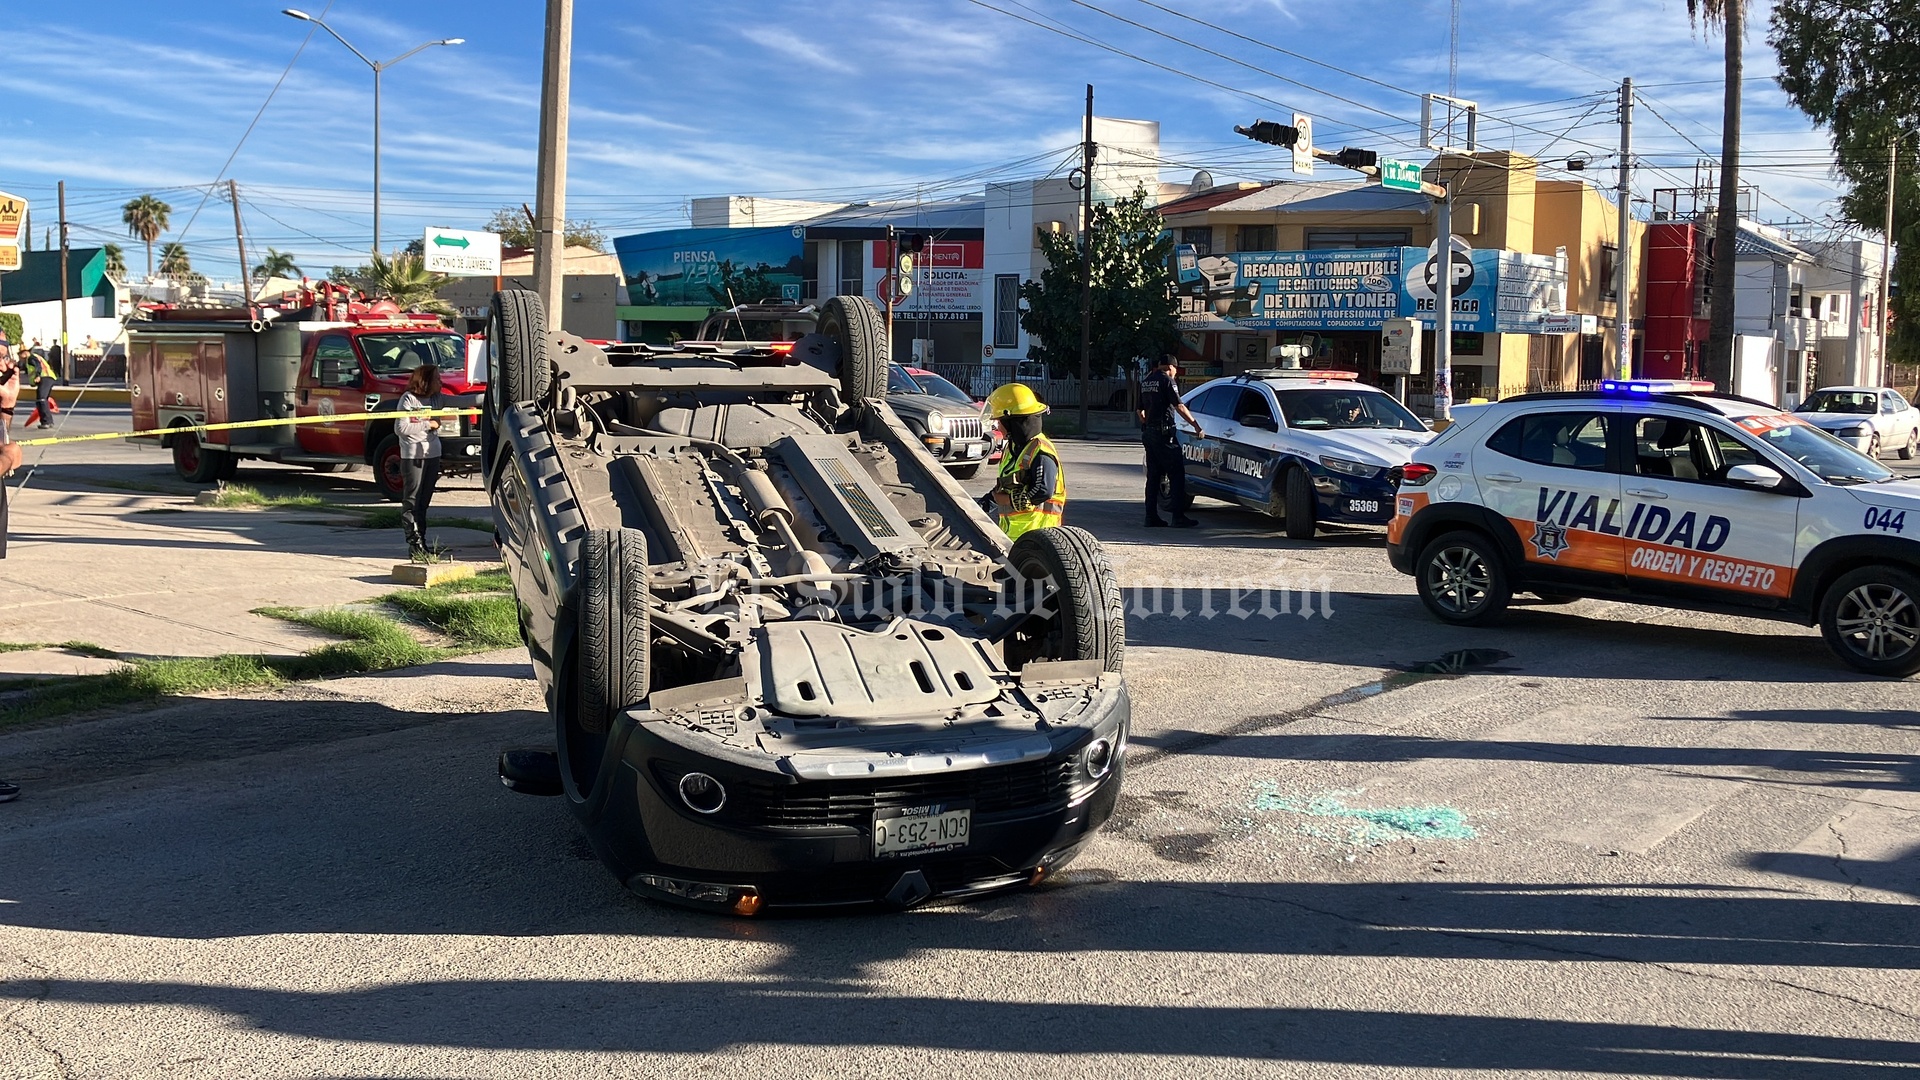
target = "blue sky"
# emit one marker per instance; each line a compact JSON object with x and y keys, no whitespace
{"x":835,"y":99}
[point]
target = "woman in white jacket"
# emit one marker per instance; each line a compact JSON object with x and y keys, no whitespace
{"x":419,"y":454}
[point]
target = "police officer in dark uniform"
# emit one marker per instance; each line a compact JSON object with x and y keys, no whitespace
{"x":1159,"y":401}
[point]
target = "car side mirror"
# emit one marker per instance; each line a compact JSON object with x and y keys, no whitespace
{"x":1758,"y":477}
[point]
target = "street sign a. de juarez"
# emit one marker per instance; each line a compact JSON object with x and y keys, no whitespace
{"x":1399,"y":175}
{"x":460,"y":253}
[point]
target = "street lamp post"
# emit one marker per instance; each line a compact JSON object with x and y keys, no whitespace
{"x":378,"y":66}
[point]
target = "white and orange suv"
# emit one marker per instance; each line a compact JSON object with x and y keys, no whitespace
{"x":1665,"y":493}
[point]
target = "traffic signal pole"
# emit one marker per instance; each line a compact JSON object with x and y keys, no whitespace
{"x":1443,"y":308}
{"x":1086,"y":262}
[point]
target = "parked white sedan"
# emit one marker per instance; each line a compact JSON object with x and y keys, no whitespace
{"x":1871,"y":419}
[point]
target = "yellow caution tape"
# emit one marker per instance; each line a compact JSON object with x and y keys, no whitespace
{"x":239,"y":425}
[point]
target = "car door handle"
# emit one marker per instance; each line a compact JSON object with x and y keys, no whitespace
{"x":1502,"y":478}
{"x":1646,"y":493}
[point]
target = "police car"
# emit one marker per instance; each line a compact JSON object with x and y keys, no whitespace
{"x":1664,"y":492}
{"x":1306,"y":446}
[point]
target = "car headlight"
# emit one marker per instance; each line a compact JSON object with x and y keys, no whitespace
{"x":936,"y":423}
{"x":1350,"y":468}
{"x":1857,"y":431}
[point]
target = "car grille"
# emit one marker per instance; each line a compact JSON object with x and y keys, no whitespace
{"x":963,"y":427}
{"x":852,"y":802}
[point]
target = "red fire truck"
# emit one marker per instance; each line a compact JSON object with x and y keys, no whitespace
{"x":323,"y":353}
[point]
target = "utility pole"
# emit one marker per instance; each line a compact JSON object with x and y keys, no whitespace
{"x":889,"y":288}
{"x":1086,"y":262}
{"x":1623,"y":263}
{"x":1727,"y":229}
{"x":64,"y":362}
{"x":240,"y":239}
{"x":1886,"y":267}
{"x":550,"y":194}
{"x":1443,"y":309}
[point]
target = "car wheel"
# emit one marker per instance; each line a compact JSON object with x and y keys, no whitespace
{"x":1300,"y":505}
{"x":966,"y":472}
{"x":615,"y":631}
{"x":1913,"y":445}
{"x":852,"y":322}
{"x":1873,"y":447}
{"x":1871,"y":620}
{"x":388,"y":475}
{"x":1462,"y":580}
{"x":229,"y":466}
{"x":193,"y":462}
{"x":1087,"y":620}
{"x":519,"y":329}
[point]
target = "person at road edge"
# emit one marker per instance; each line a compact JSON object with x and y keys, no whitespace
{"x":1159,"y":401}
{"x":419,"y":455}
{"x":9,"y":461}
{"x":1031,"y":491}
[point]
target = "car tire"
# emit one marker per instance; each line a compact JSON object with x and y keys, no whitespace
{"x":1462,"y":580}
{"x":852,"y":322}
{"x":1088,"y":622}
{"x":615,"y":630}
{"x":1300,"y":505}
{"x":1913,"y":446}
{"x":966,"y":472}
{"x":192,"y":461}
{"x":388,"y":475}
{"x":229,"y":466}
{"x":1871,"y":620}
{"x":519,"y":331}
{"x":1873,"y":446}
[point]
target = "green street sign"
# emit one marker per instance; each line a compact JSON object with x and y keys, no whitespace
{"x":449,"y":241}
{"x":1399,"y":175}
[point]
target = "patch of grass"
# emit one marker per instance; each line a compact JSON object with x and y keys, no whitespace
{"x":84,"y":648}
{"x":477,"y":613}
{"x":388,"y":517}
{"x":246,"y":495}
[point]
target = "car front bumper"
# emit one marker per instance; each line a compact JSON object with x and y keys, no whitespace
{"x":809,"y":844}
{"x":951,"y":451}
{"x":1352,"y":500}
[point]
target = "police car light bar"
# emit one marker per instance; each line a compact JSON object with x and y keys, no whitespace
{"x":1654,"y":386}
{"x":1299,"y":373}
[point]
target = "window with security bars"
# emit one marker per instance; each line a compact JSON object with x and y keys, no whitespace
{"x":853,"y":272}
{"x":1254,"y":238}
{"x":1351,"y":239}
{"x":1200,"y":236}
{"x":1006,"y":311}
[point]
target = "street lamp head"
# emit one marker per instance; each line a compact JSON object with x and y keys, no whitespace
{"x":296,"y":13}
{"x":454,"y":41}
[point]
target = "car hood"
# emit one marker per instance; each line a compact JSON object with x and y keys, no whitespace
{"x":1383,"y":448}
{"x":1895,"y":494}
{"x":919,"y":405}
{"x":1834,"y":421}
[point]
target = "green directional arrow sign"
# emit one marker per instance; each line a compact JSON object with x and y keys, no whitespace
{"x":450,"y":241}
{"x":1399,"y":175}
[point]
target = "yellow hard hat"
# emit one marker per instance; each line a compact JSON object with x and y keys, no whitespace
{"x":1014,"y":399}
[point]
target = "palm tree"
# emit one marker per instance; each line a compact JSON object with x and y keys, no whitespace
{"x":404,"y":280}
{"x":174,"y":261}
{"x":277,"y":264}
{"x":146,"y":218}
{"x":116,"y":262}
{"x":1729,"y":16}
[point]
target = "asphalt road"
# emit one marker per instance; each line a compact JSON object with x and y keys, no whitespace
{"x":1597,"y":840}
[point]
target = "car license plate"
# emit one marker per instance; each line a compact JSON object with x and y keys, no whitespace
{"x":1363,"y":506}
{"x":977,"y":450}
{"x":909,"y":830}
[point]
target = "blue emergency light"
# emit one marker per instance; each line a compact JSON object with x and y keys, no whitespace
{"x":1654,"y":386}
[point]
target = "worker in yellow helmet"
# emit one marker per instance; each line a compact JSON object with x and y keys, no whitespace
{"x":1031,"y":492}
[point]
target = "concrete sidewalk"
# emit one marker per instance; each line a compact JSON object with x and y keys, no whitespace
{"x":154,"y":575}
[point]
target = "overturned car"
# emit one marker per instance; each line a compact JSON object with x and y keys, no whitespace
{"x":790,"y":663}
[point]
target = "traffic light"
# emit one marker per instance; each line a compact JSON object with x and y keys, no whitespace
{"x":1353,"y":158}
{"x":913,"y":243}
{"x":1270,"y":132}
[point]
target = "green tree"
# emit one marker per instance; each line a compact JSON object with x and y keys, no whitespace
{"x":277,"y":264}
{"x":1133,"y":311}
{"x":516,"y":231}
{"x":146,"y":218}
{"x":116,"y":262}
{"x":1851,"y":68}
{"x":352,"y":276}
{"x":174,"y":260}
{"x":405,"y":280}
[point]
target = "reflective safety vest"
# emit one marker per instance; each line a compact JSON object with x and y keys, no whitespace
{"x":1020,"y":518}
